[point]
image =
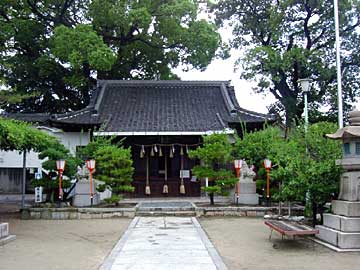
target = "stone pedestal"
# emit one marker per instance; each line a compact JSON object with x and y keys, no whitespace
{"x":247,"y":194}
{"x":4,"y":234}
{"x":82,"y":194}
{"x":247,"y":187}
{"x":350,"y":186}
{"x":342,"y":228}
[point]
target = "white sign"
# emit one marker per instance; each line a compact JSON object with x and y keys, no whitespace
{"x":38,"y":194}
{"x":38,"y":174}
{"x":184,"y":174}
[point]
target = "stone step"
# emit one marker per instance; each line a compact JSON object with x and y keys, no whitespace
{"x":179,"y":206}
{"x":346,"y":208}
{"x":344,"y":240}
{"x":165,"y":213}
{"x":7,"y":239}
{"x":341,"y":223}
{"x":4,"y":234}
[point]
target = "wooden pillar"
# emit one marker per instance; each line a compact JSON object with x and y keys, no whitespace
{"x":147,"y":187}
{"x":165,"y":187}
{"x":182,"y":186}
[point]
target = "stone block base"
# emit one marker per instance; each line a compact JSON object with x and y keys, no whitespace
{"x":7,"y":239}
{"x":248,"y":199}
{"x":350,"y":186}
{"x":4,"y":230}
{"x":247,"y":194}
{"x":341,"y":223}
{"x":346,"y":208}
{"x":247,"y":188}
{"x":344,"y":240}
{"x":4,"y":234}
{"x":81,"y":200}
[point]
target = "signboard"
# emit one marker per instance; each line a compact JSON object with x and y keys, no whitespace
{"x":184,"y":173}
{"x":38,"y":174}
{"x":38,"y":194}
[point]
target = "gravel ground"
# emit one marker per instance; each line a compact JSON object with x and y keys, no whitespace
{"x":243,"y":244}
{"x":60,"y":244}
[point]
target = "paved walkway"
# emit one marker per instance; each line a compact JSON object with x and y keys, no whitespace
{"x":170,"y":243}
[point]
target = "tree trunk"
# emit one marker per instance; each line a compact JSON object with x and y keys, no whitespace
{"x":23,"y":186}
{"x":314,"y":213}
{"x":211,"y":196}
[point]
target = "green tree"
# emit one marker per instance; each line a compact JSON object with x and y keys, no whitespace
{"x":17,"y":135}
{"x":49,"y":182}
{"x":288,"y":40}
{"x":304,"y":162}
{"x":311,"y":170}
{"x":215,"y":155}
{"x":56,"y":48}
{"x":114,"y":168}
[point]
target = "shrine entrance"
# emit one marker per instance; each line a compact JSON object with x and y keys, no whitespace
{"x":162,"y":166}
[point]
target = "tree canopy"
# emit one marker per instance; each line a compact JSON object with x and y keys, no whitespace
{"x":303,"y":163}
{"x":50,"y":155}
{"x":56,"y":48}
{"x":288,"y":40}
{"x":18,"y":135}
{"x":216,"y":154}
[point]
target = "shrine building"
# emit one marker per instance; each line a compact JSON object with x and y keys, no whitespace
{"x":160,"y":121}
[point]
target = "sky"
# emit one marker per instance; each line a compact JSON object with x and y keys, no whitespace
{"x":223,"y":70}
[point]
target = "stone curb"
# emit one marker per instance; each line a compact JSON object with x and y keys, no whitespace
{"x":107,"y":213}
{"x":7,"y":239}
{"x":220,"y":265}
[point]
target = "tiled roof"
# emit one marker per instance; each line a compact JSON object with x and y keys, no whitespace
{"x":40,"y":118}
{"x":165,"y":106}
{"x":162,"y":106}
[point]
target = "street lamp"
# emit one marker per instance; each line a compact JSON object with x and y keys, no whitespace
{"x":60,"y":166}
{"x":305,"y":87}
{"x":90,"y":165}
{"x":237,"y":165}
{"x":267,"y":165}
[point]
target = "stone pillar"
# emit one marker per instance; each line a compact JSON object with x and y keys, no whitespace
{"x":341,"y":228}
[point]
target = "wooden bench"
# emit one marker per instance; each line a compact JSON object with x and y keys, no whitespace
{"x":287,"y":228}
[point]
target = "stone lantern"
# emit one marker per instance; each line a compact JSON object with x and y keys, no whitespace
{"x":341,"y":229}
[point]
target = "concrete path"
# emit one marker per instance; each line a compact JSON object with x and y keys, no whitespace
{"x":170,"y":243}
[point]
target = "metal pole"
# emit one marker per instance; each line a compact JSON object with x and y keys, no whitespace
{"x":91,"y":189}
{"x":306,"y":111}
{"x":60,"y":188}
{"x":238,"y":186}
{"x":23,"y":181}
{"x":338,"y":65}
{"x":268,"y":187}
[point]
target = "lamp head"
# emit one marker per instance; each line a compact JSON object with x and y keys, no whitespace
{"x":60,"y":165}
{"x":267,"y":164}
{"x":305,"y":84}
{"x":238,"y":163}
{"x":90,"y":164}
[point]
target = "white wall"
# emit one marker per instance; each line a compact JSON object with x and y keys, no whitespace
{"x":13,"y":159}
{"x":72,"y":139}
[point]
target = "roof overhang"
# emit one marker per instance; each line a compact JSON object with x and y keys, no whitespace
{"x":162,"y":133}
